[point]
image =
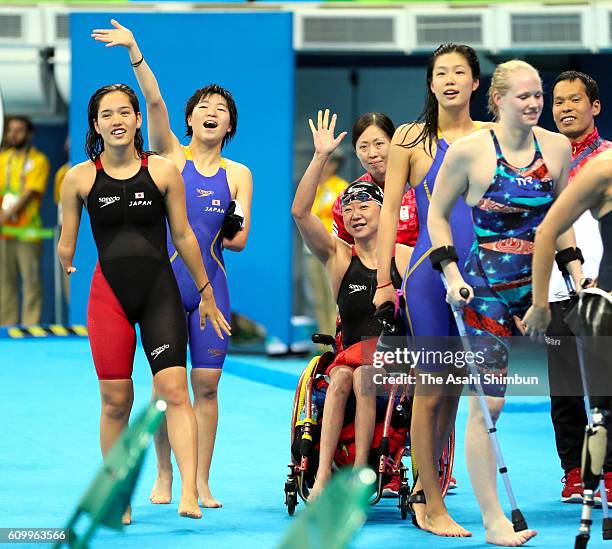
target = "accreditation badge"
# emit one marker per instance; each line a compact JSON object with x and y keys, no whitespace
{"x":8,"y":201}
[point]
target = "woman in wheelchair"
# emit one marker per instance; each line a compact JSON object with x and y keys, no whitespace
{"x":352,"y":275}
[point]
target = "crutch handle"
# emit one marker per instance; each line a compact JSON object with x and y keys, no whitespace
{"x":464,"y":292}
{"x":569,"y":283}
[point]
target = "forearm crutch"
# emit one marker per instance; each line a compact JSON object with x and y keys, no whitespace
{"x":594,"y":448}
{"x":593,"y":457}
{"x":518,"y":520}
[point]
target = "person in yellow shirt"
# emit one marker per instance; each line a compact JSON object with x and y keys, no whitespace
{"x":57,"y":190}
{"x":23,"y":179}
{"x":323,"y":302}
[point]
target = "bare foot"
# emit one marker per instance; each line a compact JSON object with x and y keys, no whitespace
{"x":162,"y":489}
{"x":444,"y":525}
{"x":502,"y":533}
{"x":126,"y":519}
{"x":206,"y":498}
{"x":317,"y":488}
{"x":189,"y":507}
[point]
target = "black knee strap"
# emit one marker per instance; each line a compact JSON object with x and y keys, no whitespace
{"x":443,"y":253}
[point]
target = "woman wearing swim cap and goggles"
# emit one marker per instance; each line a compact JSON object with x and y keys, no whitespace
{"x":362,"y":191}
{"x":351,"y":271}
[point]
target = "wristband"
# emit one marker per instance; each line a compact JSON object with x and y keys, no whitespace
{"x":384,"y":285}
{"x":138,"y":63}
{"x":203,"y":287}
{"x":443,"y":253}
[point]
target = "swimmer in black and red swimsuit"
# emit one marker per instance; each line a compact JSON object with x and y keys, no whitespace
{"x":352,"y":275}
{"x":129,"y":196}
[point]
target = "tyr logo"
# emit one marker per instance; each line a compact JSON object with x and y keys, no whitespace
{"x":524,"y":181}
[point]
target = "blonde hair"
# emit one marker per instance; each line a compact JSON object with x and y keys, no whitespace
{"x":501,"y":81}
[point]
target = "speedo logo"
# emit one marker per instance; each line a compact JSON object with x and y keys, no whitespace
{"x":203,"y":194}
{"x":354,"y":288}
{"x":215,"y":352}
{"x":108,"y":200}
{"x":156,"y":352}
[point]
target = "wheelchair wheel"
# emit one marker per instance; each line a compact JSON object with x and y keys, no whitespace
{"x":446,"y":463}
{"x":404,"y":492}
{"x":291,"y":499}
{"x":291,"y":504}
{"x":403,"y":506}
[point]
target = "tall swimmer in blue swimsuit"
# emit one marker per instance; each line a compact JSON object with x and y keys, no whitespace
{"x":416,"y":154}
{"x":211,"y":183}
{"x":509,"y":176}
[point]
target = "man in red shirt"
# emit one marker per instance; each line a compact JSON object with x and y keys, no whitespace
{"x":575,"y":106}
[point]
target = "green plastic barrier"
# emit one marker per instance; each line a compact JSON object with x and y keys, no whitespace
{"x":27,"y":233}
{"x":479,"y":3}
{"x":336,"y":515}
{"x":111,"y":490}
{"x":100,"y":3}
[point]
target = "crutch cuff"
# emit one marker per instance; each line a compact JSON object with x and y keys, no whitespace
{"x":443,"y":253}
{"x":563,"y":257}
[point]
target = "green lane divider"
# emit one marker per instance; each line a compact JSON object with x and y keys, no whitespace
{"x":336,"y":515}
{"x":109,"y":494}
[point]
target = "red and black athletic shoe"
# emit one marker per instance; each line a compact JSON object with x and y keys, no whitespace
{"x":572,"y":491}
{"x":452,"y":485}
{"x":608,"y":485}
{"x":391,"y":490}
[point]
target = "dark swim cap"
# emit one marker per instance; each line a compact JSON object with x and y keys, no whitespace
{"x":362,"y":191}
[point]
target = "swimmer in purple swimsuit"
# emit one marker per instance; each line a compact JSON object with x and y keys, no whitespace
{"x":416,"y":154}
{"x":211,"y":184}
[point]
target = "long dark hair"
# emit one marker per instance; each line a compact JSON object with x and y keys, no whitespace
{"x":94,"y":144}
{"x":429,"y":115}
{"x":378,"y":119}
{"x":213,"y":89}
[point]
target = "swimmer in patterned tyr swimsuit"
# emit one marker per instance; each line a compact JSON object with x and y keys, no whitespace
{"x":498,"y":266}
{"x":208,"y":198}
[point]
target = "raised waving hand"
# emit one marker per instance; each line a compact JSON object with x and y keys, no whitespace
{"x":323,"y":134}
{"x":118,"y":36}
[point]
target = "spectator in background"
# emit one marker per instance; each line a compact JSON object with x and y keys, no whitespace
{"x":57,"y":191}
{"x":59,"y":179}
{"x":24,"y":171}
{"x":575,"y":105}
{"x":328,"y":190}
